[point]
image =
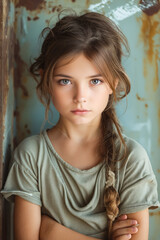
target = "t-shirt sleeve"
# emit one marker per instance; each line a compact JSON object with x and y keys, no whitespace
{"x":138,"y":189}
{"x":22,"y":179}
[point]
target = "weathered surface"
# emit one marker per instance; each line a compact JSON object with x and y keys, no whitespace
{"x":29,"y":4}
{"x":150,"y":7}
{"x":6,"y":106}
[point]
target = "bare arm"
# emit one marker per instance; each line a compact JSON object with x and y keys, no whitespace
{"x":28,"y":224}
{"x":143,"y":219}
{"x":122,"y":228}
{"x":27,"y":220}
{"x":51,"y":230}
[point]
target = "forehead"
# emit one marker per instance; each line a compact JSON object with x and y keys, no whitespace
{"x":78,"y":63}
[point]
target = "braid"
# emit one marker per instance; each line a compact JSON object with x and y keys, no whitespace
{"x":111,"y":133}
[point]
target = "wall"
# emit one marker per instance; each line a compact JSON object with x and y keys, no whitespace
{"x":7,"y":37}
{"x":139,"y":116}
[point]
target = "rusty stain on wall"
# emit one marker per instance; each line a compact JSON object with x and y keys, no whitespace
{"x":159,"y":125}
{"x":149,"y":7}
{"x":19,"y":70}
{"x":154,"y":213}
{"x":30,"y":5}
{"x":139,"y":98}
{"x":146,"y":105}
{"x":35,"y":18}
{"x":149,"y":31}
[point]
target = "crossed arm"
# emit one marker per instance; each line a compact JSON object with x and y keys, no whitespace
{"x":28,"y":225}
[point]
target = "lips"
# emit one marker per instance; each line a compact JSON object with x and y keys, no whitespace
{"x":80,"y":111}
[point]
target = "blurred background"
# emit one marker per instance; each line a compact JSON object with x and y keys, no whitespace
{"x":22,"y":115}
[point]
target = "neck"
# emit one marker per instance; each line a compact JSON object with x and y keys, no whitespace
{"x":79,"y":133}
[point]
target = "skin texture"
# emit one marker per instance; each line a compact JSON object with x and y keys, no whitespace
{"x":79,"y":91}
{"x":29,"y":225}
{"x":77,"y":132}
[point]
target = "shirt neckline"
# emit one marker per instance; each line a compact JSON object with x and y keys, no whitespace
{"x":90,"y":170}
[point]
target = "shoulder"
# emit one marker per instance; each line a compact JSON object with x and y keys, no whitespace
{"x":136,"y":182}
{"x":136,"y":154}
{"x":136,"y":164}
{"x":29,"y":144}
{"x":28,"y":151}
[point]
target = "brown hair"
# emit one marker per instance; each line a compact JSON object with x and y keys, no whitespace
{"x":101,"y":42}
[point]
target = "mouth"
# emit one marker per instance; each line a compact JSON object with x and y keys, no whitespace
{"x":80,"y":111}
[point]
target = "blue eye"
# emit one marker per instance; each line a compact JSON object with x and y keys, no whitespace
{"x":64,"y":82}
{"x":96,"y":82}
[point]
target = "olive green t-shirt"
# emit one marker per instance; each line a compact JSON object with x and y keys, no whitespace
{"x":74,"y":197}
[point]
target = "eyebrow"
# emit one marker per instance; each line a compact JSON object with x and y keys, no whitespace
{"x":67,"y":76}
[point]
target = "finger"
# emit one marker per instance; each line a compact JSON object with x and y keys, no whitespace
{"x":124,"y":237}
{"x":122,"y":217}
{"x":124,"y":231}
{"x":123,"y":224}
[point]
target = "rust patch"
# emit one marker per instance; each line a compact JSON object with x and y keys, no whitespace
{"x":18,"y":76}
{"x":27,"y":129}
{"x":158,"y":170}
{"x":139,"y":98}
{"x":159,"y":125}
{"x":16,"y":113}
{"x":149,"y":36}
{"x":73,"y":0}
{"x":35,"y":18}
{"x":87,"y":3}
{"x":57,"y":8}
{"x":154,"y":213}
{"x":53,"y":9}
{"x":30,"y":5}
{"x":28,"y":18}
{"x":146,"y":105}
{"x":149,"y":7}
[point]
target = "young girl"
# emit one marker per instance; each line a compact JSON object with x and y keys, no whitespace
{"x":83,"y":172}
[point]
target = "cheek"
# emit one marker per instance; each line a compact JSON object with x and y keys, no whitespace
{"x":59,"y":99}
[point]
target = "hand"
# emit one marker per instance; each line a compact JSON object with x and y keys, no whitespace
{"x":123,"y":228}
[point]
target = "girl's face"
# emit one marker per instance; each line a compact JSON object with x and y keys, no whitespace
{"x":79,"y":93}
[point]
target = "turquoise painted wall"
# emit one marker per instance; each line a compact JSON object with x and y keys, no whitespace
{"x":140,"y":114}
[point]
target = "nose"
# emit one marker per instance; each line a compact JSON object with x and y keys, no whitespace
{"x":80,"y":100}
{"x":79,"y":95}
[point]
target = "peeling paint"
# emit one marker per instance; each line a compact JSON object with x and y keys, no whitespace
{"x":21,"y":65}
{"x":139,"y":98}
{"x":149,"y":7}
{"x":149,"y":32}
{"x":159,"y":125}
{"x":154,"y":213}
{"x":35,"y":18}
{"x":30,"y":5}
